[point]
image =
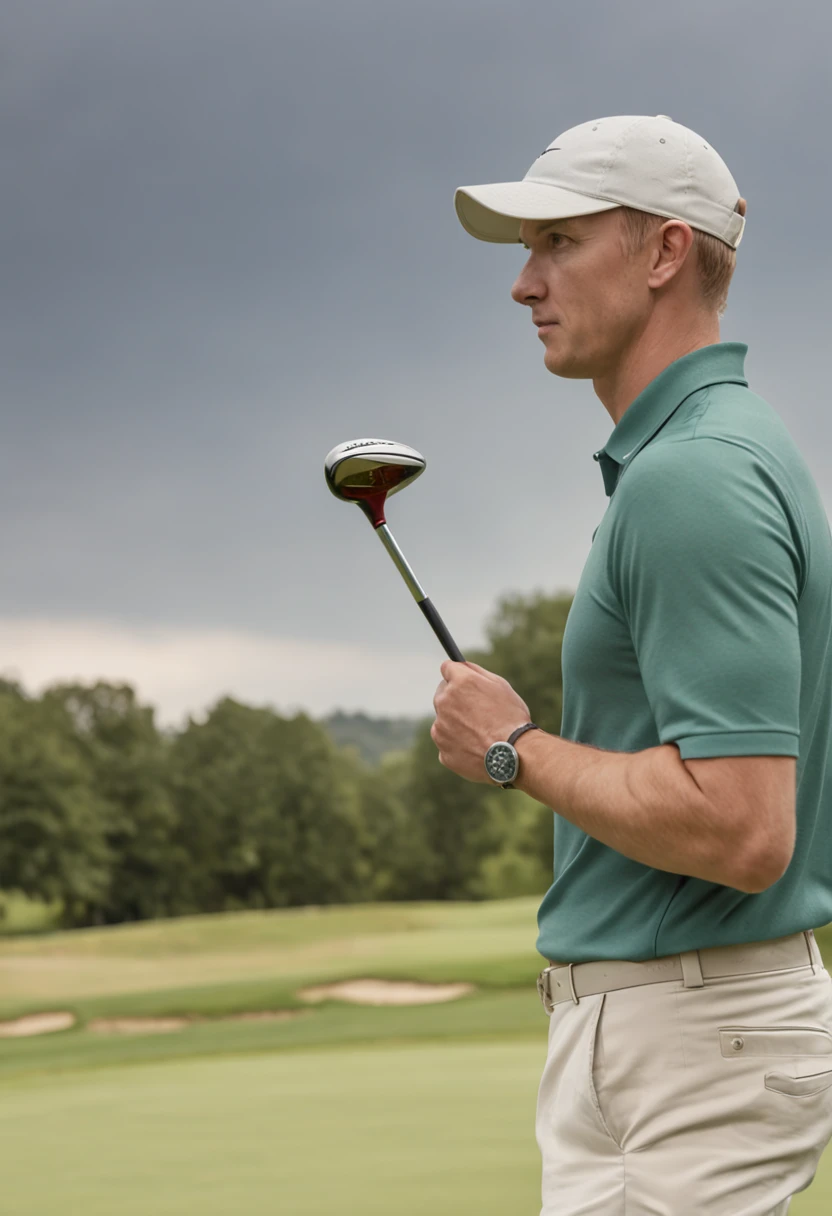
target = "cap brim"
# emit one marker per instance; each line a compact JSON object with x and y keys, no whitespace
{"x":494,"y":212}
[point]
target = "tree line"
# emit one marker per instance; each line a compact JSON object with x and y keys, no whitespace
{"x":114,"y":819}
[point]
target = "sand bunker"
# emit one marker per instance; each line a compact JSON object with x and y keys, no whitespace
{"x":136,"y":1025}
{"x":36,"y":1023}
{"x":166,"y":1025}
{"x":356,"y":992}
{"x":386,"y":992}
{"x":45,"y":1023}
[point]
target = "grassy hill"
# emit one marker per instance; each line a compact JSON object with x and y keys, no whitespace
{"x":371,"y":737}
{"x":215,"y":966}
{"x":417,"y":1108}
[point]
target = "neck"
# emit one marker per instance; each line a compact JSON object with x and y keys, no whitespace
{"x":649,"y":355}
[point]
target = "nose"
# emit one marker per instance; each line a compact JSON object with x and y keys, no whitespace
{"x":528,"y":286}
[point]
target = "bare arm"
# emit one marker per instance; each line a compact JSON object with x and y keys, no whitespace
{"x":728,"y":820}
{"x":648,"y":806}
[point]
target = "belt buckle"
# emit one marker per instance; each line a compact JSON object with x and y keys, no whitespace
{"x":542,"y":989}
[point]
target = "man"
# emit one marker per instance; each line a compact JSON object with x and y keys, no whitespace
{"x":689,"y":1066}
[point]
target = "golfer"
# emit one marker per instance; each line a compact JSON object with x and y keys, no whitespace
{"x":689,"y":1066}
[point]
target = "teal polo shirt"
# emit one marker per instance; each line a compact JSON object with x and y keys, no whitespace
{"x":702,"y":618}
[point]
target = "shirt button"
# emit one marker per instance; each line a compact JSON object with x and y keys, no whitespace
{"x":596,"y":455}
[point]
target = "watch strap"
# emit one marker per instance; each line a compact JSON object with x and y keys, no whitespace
{"x":515,"y":734}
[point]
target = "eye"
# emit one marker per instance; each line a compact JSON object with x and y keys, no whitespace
{"x":552,"y":238}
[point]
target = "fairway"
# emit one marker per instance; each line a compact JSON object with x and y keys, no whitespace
{"x":445,"y":1129}
{"x":436,"y":1128}
{"x":337,"y":1107}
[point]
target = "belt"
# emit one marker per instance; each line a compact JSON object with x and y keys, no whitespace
{"x":570,"y":981}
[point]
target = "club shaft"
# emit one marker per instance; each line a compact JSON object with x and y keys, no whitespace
{"x":402,"y":564}
{"x":417,"y":591}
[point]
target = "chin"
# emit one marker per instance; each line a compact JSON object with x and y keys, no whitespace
{"x":568,"y":368}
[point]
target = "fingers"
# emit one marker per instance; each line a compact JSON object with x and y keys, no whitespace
{"x":434,"y":734}
{"x":451,"y":670}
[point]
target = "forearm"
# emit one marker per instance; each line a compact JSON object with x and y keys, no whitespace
{"x":645,"y":805}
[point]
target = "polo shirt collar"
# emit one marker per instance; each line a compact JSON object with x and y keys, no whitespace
{"x":719,"y":363}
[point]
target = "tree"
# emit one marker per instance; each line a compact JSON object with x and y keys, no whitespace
{"x":53,"y":823}
{"x":268,"y":812}
{"x":450,"y":828}
{"x":119,"y":821}
{"x":525,"y":636}
{"x":121,"y":748}
{"x":392,"y":843}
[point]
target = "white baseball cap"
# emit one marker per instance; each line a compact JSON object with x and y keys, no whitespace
{"x":651,"y":164}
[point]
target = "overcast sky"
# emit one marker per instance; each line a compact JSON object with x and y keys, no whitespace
{"x":229,"y":243}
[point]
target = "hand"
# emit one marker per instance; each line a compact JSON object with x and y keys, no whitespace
{"x":474,"y":708}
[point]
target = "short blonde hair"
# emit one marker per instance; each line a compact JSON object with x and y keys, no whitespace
{"x":716,"y":260}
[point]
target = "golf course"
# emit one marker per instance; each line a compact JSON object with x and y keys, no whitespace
{"x":212,"y":1064}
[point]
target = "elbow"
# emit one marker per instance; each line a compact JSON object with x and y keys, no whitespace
{"x":764,"y":873}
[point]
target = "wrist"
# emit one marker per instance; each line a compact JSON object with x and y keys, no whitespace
{"x":502,"y":760}
{"x":529,"y":748}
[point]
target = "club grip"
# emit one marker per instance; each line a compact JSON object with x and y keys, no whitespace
{"x":440,"y":629}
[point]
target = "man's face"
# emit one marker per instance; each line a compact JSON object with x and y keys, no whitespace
{"x":578,"y":277}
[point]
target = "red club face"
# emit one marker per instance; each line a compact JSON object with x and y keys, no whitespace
{"x":365,"y":471}
{"x":368,"y":483}
{"x":370,"y":486}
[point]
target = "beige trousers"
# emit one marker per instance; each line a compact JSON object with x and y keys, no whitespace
{"x":672,"y":1100}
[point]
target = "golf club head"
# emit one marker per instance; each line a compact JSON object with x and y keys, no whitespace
{"x":366,"y":471}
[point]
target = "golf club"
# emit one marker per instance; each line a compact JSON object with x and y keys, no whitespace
{"x":366,"y":472}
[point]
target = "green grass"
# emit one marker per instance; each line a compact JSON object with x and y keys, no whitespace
{"x":444,"y":1129}
{"x":367,"y":1110}
{"x":487,"y":943}
{"x":143,"y":970}
{"x":493,"y":1016}
{"x":440,"y":1128}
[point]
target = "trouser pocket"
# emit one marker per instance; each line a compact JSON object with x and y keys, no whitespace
{"x":799,"y":1087}
{"x":808,"y":1048}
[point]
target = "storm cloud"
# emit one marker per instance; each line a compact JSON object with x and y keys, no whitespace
{"x":228,"y":243}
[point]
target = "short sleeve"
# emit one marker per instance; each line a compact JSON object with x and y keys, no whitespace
{"x":707,"y":561}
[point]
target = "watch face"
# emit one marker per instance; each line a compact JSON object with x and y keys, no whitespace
{"x":501,"y":762}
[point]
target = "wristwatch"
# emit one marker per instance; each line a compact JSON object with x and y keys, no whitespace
{"x":501,"y":760}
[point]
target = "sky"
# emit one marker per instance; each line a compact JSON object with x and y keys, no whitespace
{"x":228,"y":243}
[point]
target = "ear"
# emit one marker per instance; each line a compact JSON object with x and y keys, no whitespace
{"x":671,"y":246}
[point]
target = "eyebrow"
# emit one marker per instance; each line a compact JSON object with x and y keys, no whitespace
{"x":567,"y":223}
